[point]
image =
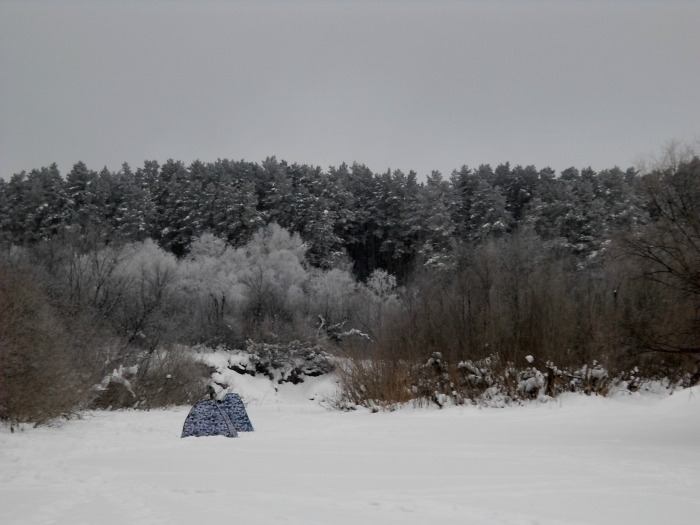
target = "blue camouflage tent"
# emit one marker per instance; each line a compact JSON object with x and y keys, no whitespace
{"x":208,"y":419}
{"x":234,"y":407}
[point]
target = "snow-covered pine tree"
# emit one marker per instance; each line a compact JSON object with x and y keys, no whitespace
{"x":87,"y":197}
{"x":133,"y":209}
{"x":36,"y":205}
{"x":480,"y":207}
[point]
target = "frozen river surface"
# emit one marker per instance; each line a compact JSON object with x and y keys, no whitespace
{"x":580,"y":460}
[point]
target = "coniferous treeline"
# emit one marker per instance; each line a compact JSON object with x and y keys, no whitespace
{"x":380,"y":220}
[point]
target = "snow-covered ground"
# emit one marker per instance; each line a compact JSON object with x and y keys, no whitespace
{"x":579,"y":460}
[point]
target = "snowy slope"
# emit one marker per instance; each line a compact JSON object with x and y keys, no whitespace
{"x":632,"y":460}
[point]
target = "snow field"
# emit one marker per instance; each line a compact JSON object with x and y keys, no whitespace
{"x":580,"y":460}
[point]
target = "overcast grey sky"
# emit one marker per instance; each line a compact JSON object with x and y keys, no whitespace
{"x":407,"y":85}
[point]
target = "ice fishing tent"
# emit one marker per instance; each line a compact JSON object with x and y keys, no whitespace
{"x":208,"y":419}
{"x":235,"y":409}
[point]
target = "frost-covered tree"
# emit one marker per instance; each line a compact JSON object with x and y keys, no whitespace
{"x":263,"y":278}
{"x":146,"y":314}
{"x":272,"y":269}
{"x":330,"y":294}
{"x":378,"y":299}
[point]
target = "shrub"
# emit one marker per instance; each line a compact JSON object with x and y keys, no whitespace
{"x":42,"y":375}
{"x":167,"y":377}
{"x":491,"y":381}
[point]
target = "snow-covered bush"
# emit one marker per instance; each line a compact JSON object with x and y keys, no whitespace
{"x":281,"y":363}
{"x":284,"y":362}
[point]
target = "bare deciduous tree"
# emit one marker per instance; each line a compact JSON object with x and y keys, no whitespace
{"x":664,"y":315}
